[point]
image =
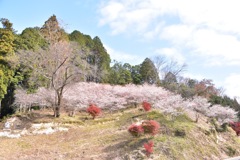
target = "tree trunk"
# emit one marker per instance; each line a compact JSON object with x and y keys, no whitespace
{"x":57,"y":111}
{"x":58,"y":105}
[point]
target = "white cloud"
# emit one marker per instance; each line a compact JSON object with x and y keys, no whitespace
{"x":232,"y":85}
{"x":126,"y":15}
{"x":206,"y":28}
{"x":220,"y":15}
{"x":171,"y":53}
{"x":217,"y":48}
{"x":111,"y":12}
{"x":178,"y":34}
{"x":123,"y":57}
{"x":151,"y":34}
{"x":221,"y":47}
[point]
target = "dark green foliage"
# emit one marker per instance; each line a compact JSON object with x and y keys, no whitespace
{"x":225,"y":101}
{"x":6,"y":57}
{"x":7,"y":101}
{"x":7,"y":24}
{"x":102,"y":59}
{"x":185,"y":91}
{"x":82,"y":39}
{"x":31,"y":84}
{"x":120,"y":74}
{"x":30,"y":39}
{"x":136,"y":76}
{"x":173,"y":87}
{"x":8,"y":77}
{"x":149,"y":72}
{"x":96,"y":56}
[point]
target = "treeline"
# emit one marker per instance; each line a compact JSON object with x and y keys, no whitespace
{"x":49,"y":57}
{"x":168,"y":74}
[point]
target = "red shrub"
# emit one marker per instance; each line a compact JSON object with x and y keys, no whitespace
{"x":151,"y":127}
{"x":146,"y":106}
{"x":148,"y":148}
{"x":236,"y":127}
{"x":135,"y":130}
{"x":93,"y":110}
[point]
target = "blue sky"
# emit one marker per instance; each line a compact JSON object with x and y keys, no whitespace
{"x":203,"y":34}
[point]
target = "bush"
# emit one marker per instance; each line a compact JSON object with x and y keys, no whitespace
{"x":135,"y":130}
{"x":148,"y":148}
{"x":180,"y":133}
{"x":93,"y":110}
{"x":236,"y":127}
{"x":151,"y":127}
{"x":146,"y":106}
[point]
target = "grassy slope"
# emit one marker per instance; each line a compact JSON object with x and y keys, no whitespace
{"x":107,"y":138}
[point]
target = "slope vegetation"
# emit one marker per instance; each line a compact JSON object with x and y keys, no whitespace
{"x":107,"y":137}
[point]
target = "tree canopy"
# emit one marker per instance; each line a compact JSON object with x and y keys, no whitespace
{"x":30,"y":39}
{"x":149,"y":72}
{"x":8,"y":59}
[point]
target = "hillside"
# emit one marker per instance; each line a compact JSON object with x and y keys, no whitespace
{"x":107,"y":137}
{"x":47,"y":69}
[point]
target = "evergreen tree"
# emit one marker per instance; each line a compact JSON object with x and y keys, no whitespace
{"x":127,"y":73}
{"x":101,"y":59}
{"x":96,"y":56}
{"x":136,"y":75}
{"x":7,"y":57}
{"x":114,"y":74}
{"x":82,"y":39}
{"x":149,"y":72}
{"x":30,"y":39}
{"x":120,"y":74}
{"x":52,"y":31}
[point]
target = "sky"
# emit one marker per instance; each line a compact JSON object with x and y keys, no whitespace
{"x":203,"y":34}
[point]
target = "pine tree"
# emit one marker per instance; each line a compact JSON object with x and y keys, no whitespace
{"x":149,"y":72}
{"x":136,"y":76}
{"x":101,"y":59}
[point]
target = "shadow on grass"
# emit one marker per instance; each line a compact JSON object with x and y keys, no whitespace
{"x":127,"y":146}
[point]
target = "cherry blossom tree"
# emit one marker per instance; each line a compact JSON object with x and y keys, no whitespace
{"x":78,"y":96}
{"x":59,"y":65}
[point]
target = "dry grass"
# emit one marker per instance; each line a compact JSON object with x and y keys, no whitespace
{"x":106,"y":138}
{"x":86,"y":139}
